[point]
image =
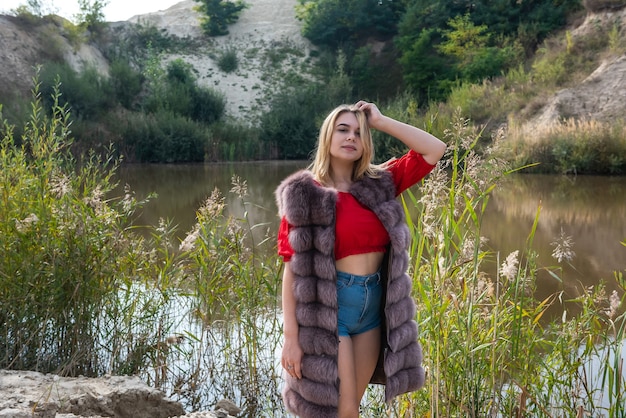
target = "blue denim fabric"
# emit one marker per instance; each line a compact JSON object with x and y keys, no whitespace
{"x":359,"y":299}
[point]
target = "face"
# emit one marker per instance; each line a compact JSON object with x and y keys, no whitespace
{"x":346,"y":142}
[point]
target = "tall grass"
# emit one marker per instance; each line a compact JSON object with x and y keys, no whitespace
{"x":68,"y":264}
{"x":82,"y":293}
{"x":490,"y":347}
{"x":569,"y":147}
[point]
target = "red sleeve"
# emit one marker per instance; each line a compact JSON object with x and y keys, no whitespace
{"x":284,"y":248}
{"x":408,"y":170}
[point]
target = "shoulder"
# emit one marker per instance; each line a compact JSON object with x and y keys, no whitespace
{"x":408,"y":170}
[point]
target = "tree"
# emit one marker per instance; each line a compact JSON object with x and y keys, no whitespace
{"x":343,"y":23}
{"x":218,"y":14}
{"x":91,"y":14}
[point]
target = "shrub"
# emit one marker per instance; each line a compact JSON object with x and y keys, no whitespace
{"x":69,"y":281}
{"x":161,"y":137}
{"x":228,"y":60}
{"x":234,"y":142}
{"x":207,"y":105}
{"x":88,"y":94}
{"x":126,"y":83}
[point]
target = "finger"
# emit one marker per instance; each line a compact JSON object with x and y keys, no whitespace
{"x":362,"y":105}
{"x":298,"y":371}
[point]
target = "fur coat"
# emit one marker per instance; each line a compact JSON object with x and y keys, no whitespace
{"x":310,"y":209}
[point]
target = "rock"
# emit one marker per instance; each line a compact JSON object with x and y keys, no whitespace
{"x":228,"y":406}
{"x":26,"y":393}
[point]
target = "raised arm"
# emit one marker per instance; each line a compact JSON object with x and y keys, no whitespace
{"x":420,"y":141}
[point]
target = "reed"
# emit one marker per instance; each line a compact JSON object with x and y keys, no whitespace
{"x":69,"y":266}
{"x":82,"y":293}
{"x":569,"y":147}
{"x":490,"y":347}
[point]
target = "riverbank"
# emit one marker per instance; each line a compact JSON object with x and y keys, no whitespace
{"x":26,"y":394}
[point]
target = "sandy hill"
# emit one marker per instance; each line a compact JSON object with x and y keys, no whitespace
{"x":265,"y":25}
{"x":268,"y":26}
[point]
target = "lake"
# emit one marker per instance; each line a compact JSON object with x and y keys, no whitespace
{"x":589,"y":209}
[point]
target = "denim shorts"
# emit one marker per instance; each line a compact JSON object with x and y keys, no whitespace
{"x":359,"y":299}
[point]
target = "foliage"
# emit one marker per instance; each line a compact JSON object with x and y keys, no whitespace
{"x":291,"y":125}
{"x":174,"y":90}
{"x":88,"y":94}
{"x":361,"y":31}
{"x":34,"y":9}
{"x":91,"y":14}
{"x":69,"y":265}
{"x":230,"y":141}
{"x":218,"y":14}
{"x":346,"y":24}
{"x":430,"y":29}
{"x":228,"y":61}
{"x":126,"y":83}
{"x":485,"y":324}
{"x":141,"y":41}
{"x":469,"y":44}
{"x":161,"y":136}
{"x":570,"y":147}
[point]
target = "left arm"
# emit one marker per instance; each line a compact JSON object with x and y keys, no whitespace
{"x":420,"y":141}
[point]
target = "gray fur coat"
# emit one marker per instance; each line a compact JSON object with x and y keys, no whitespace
{"x":310,"y":209}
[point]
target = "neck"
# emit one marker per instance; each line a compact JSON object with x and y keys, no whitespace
{"x":341,"y":177}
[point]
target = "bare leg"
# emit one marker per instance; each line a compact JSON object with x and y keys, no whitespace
{"x":366,"y":349}
{"x":357,"y":360}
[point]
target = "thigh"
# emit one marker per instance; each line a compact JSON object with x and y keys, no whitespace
{"x":348,"y":397}
{"x":366,"y":348}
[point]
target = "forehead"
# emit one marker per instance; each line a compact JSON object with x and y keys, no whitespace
{"x":347,"y":118}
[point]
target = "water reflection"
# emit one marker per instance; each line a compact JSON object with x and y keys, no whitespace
{"x":590,"y":209}
{"x":183,"y":188}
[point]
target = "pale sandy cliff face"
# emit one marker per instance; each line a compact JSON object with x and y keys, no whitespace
{"x":600,"y":96}
{"x":263,"y":25}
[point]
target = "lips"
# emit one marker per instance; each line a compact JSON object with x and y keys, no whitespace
{"x":349,"y":147}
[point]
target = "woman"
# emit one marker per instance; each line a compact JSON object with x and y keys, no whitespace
{"x":340,"y":221}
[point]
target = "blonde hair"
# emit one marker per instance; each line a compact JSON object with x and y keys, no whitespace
{"x":320,"y":167}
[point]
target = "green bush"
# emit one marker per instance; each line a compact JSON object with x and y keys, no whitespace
{"x":126,"y":83}
{"x":234,"y":142}
{"x":207,"y":105}
{"x":161,"y":137}
{"x":88,"y":94}
{"x":69,"y":266}
{"x":176,"y":92}
{"x":228,"y":60}
{"x":291,"y":126}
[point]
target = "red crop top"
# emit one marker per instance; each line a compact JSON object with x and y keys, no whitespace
{"x":358,"y":229}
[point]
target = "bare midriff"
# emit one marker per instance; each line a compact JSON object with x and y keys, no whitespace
{"x":360,"y":264}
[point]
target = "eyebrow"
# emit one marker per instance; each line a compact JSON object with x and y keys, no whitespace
{"x":345,"y":124}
